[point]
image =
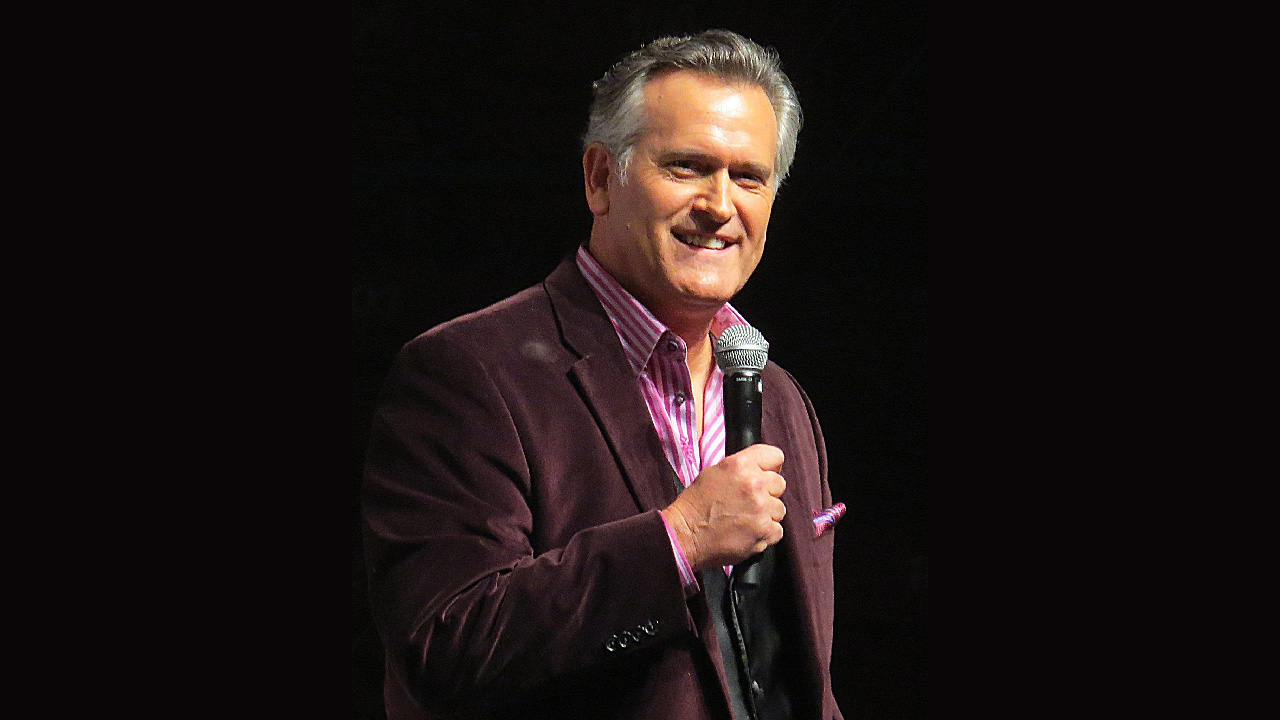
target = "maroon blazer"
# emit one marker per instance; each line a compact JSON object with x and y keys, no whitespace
{"x":518,"y":564}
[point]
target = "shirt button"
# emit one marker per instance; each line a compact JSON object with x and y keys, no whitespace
{"x":672,"y":346}
{"x":680,"y":398}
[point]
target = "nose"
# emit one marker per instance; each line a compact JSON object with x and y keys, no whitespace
{"x":716,"y":198}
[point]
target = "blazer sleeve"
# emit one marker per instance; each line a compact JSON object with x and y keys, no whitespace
{"x":465,"y":606}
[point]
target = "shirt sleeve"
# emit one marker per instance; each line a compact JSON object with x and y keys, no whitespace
{"x":687,"y":577}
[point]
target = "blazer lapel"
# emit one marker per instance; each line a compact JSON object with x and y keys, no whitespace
{"x":603,"y":376}
{"x":797,"y":540}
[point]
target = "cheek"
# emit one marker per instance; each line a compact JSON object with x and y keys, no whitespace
{"x":668,"y":198}
{"x":756,"y":218}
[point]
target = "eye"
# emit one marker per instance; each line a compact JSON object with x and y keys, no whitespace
{"x":684,"y":168}
{"x":748,"y":180}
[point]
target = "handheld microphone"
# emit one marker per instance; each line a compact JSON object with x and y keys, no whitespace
{"x":741,"y":352}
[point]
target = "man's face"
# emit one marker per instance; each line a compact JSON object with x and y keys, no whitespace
{"x":688,"y":228}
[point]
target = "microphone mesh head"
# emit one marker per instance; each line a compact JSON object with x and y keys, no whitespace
{"x":741,"y":347}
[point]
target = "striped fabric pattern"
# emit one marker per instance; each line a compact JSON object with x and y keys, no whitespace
{"x":657,"y":356}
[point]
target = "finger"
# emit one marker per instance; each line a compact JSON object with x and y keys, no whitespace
{"x":772,"y":536}
{"x":779,"y":511}
{"x":775,"y":484}
{"x":775,"y":534}
{"x":766,"y":457}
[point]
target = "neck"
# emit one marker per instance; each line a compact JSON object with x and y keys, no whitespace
{"x":695,"y":331}
{"x":700,"y":355}
{"x":693,"y":326}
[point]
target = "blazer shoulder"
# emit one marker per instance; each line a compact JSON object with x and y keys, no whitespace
{"x":513,"y":342}
{"x":533,"y":310}
{"x":518,"y":310}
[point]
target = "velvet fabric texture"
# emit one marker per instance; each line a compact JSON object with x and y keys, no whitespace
{"x":518,"y":566}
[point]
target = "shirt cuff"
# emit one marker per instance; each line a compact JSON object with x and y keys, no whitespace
{"x":687,"y":578}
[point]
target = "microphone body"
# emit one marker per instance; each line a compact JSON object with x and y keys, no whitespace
{"x":741,"y":352}
{"x":742,"y":395}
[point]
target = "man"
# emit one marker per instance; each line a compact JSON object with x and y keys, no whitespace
{"x":552,"y":526}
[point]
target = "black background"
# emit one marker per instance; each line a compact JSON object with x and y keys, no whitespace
{"x":467,"y":187}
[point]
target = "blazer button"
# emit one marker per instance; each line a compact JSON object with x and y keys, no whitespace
{"x":650,"y":628}
{"x":612,"y":645}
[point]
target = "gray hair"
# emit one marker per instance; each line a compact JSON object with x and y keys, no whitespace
{"x":617,"y":118}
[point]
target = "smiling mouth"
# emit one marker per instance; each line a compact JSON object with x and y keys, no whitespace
{"x":707,"y":242}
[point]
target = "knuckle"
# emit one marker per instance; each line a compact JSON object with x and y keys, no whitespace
{"x":776,"y":456}
{"x":762,"y":503}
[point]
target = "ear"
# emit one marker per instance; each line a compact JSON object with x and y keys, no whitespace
{"x":597,"y":165}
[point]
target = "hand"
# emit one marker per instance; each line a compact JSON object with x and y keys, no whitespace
{"x":732,"y":510}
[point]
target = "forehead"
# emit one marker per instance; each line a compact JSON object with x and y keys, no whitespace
{"x":685,"y":107}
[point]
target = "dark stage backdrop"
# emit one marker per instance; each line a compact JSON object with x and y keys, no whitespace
{"x":467,"y":187}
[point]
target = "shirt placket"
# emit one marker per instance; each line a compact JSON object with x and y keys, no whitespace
{"x":681,"y":413}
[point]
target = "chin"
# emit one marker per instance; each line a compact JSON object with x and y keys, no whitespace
{"x":704,"y":288}
{"x":707,"y":296}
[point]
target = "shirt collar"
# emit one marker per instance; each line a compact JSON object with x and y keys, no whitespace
{"x":638,"y":329}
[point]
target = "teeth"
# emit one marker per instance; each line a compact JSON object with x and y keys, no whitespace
{"x":702,"y":241}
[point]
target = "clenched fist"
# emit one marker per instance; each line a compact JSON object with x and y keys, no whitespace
{"x":732,"y":510}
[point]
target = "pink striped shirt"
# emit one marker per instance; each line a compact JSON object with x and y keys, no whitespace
{"x":657,"y":356}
